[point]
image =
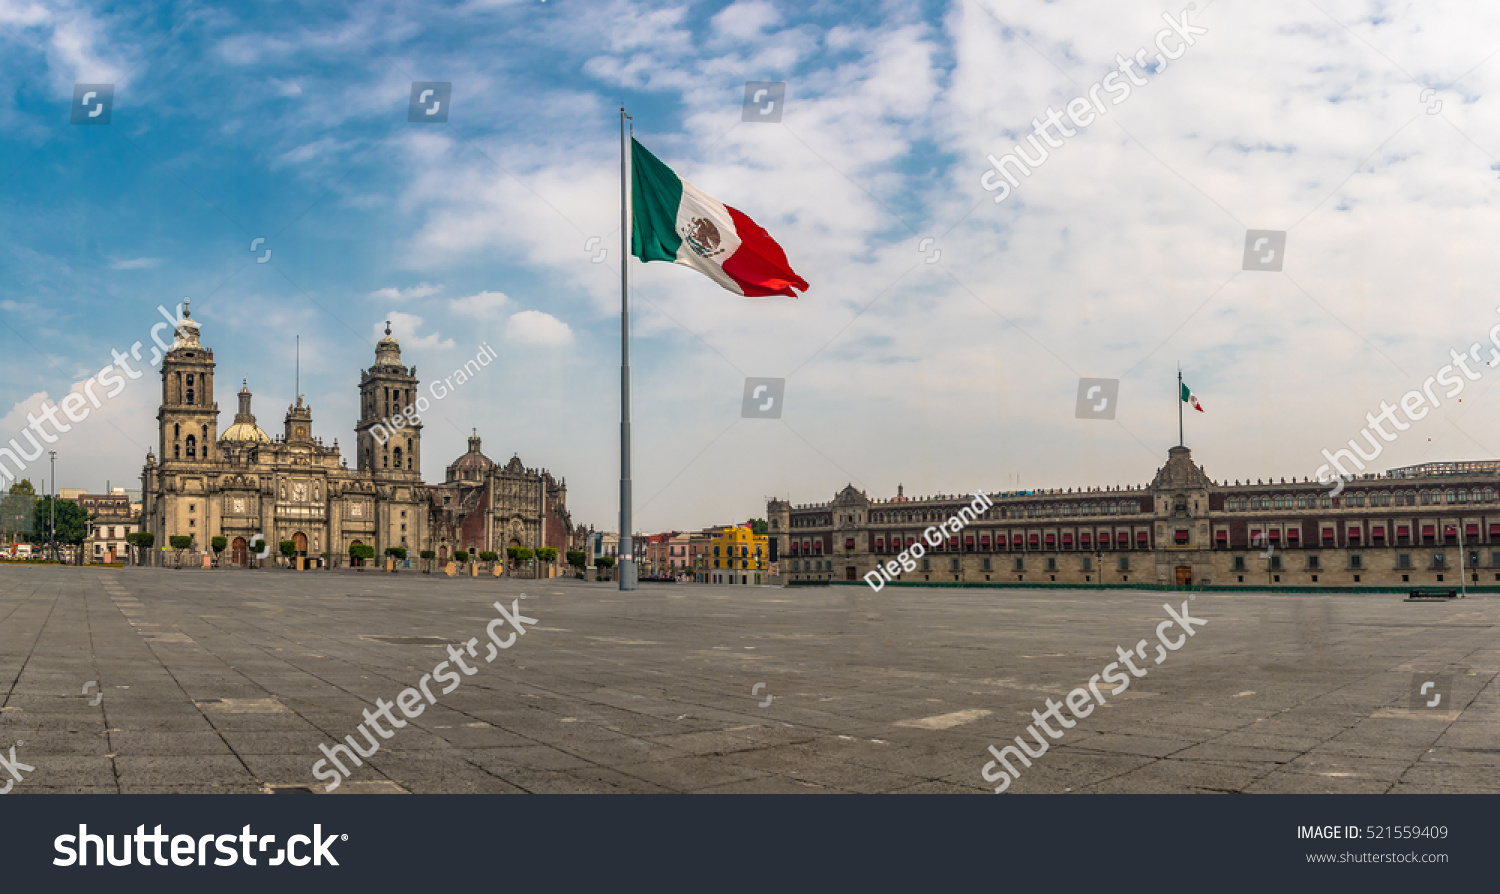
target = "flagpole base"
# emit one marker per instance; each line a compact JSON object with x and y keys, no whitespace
{"x":629,"y":574}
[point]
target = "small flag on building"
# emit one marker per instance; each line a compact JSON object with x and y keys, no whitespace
{"x":1189,"y":398}
{"x":675,"y":221}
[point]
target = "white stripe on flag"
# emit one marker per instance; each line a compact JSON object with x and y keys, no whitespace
{"x":696,"y":204}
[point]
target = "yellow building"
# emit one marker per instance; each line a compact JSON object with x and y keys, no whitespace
{"x":737,"y":555}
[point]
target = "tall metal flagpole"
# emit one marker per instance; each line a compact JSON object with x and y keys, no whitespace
{"x":627,"y":557}
{"x":1179,"y":406}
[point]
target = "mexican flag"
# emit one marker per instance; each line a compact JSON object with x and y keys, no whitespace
{"x":675,"y":221}
{"x":1189,"y":398}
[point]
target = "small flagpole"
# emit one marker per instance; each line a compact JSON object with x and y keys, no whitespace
{"x":627,"y":559}
{"x":1179,"y":406}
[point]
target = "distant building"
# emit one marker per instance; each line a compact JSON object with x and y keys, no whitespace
{"x":658,"y":553}
{"x":678,"y":547}
{"x":114,"y":517}
{"x":739,"y":556}
{"x":1428,"y":525}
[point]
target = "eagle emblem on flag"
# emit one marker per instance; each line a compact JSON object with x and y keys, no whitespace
{"x":703,"y":237}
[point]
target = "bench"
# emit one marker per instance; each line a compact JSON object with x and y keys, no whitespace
{"x":1431,"y":595}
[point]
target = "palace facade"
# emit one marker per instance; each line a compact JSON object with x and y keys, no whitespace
{"x":1430,"y":526}
{"x":292,"y":487}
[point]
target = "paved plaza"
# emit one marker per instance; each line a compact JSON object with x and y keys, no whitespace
{"x":229,"y":680}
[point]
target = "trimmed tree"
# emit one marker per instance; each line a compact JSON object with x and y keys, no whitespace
{"x":547,"y":554}
{"x":577,"y":558}
{"x":288,"y":549}
{"x":461,"y":556}
{"x":427,"y":557}
{"x":219,"y":544}
{"x":142,"y":541}
{"x":396,"y":552}
{"x":180,"y":542}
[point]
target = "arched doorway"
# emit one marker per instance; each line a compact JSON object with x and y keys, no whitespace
{"x":300,"y":541}
{"x":353,"y":562}
{"x":239,"y":552}
{"x":443,"y":555}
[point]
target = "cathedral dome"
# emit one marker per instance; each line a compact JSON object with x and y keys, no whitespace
{"x":245,"y":431}
{"x":244,"y":427}
{"x":472,"y":466}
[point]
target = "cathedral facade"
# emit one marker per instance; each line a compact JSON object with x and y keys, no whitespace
{"x":292,"y":487}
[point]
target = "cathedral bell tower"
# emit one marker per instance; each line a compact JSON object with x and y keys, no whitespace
{"x":389,"y":433}
{"x":189,"y":418}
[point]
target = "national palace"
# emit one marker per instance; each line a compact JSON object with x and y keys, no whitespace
{"x":1420,"y":526}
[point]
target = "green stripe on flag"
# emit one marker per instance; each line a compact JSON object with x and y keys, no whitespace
{"x":656,"y":192}
{"x":1187,"y":393}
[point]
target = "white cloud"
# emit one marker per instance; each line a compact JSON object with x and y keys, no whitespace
{"x":746,"y":20}
{"x":482,"y":303}
{"x":404,"y":327}
{"x":134,"y":264}
{"x":396,"y":293}
{"x":533,"y":327}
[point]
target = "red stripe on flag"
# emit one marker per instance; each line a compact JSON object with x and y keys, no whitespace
{"x":760,"y":266}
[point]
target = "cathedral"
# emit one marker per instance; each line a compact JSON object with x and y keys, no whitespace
{"x":293,"y":487}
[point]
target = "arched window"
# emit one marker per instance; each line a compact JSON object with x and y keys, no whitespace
{"x":190,"y":395}
{"x":192,"y":447}
{"x":190,"y":380}
{"x":176,"y":431}
{"x":1448,"y":496}
{"x":398,"y":457}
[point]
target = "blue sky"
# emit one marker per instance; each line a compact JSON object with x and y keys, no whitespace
{"x":1119,"y":257}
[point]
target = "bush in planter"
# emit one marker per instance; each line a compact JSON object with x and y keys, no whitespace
{"x":427,"y":557}
{"x":489,"y":556}
{"x":547,"y":554}
{"x":460,"y":556}
{"x":512,"y":552}
{"x":396,"y":552}
{"x":359,"y":553}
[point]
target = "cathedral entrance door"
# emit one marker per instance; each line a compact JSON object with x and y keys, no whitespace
{"x":300,"y":540}
{"x":239,"y":553}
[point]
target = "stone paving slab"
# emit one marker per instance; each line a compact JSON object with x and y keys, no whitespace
{"x":230,"y":680}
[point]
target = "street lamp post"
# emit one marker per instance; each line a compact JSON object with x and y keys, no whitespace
{"x":52,"y":508}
